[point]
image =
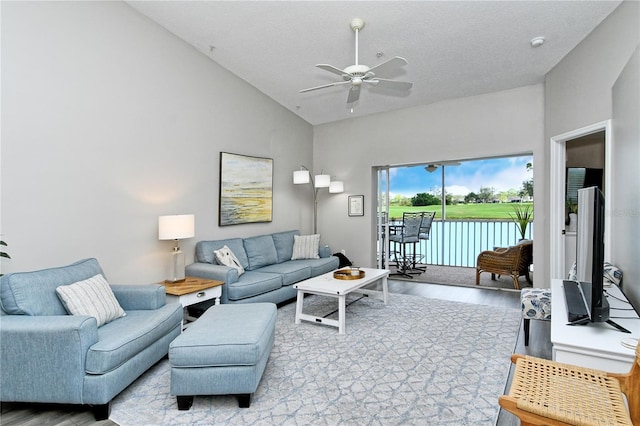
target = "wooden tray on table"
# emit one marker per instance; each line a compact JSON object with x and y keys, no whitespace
{"x":347,"y":274}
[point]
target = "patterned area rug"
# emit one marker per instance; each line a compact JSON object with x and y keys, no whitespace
{"x":416,"y":361}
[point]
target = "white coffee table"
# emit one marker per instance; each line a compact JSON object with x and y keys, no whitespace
{"x":326,"y":285}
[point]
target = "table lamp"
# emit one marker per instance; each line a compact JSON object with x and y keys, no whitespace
{"x":176,"y":227}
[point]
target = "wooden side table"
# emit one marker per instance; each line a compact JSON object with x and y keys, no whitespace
{"x":191,"y":291}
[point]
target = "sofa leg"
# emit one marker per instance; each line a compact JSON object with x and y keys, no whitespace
{"x":184,"y":402}
{"x":102,"y":411}
{"x":244,"y":400}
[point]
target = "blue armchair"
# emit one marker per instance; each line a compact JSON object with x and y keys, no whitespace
{"x":50,"y":356}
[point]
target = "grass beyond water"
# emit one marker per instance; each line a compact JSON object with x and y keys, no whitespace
{"x":463,"y":211}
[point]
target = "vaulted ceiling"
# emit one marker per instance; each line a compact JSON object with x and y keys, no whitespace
{"x":453,"y":48}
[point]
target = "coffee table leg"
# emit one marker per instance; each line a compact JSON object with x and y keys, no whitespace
{"x":385,"y":290}
{"x":299,"y":302}
{"x":341,"y":313}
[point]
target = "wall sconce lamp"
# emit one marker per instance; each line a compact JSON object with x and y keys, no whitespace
{"x":303,"y":176}
{"x":176,"y":227}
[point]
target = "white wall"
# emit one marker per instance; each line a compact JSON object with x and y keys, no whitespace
{"x":626,"y":213}
{"x":578,"y":93}
{"x":109,"y":121}
{"x":500,"y":123}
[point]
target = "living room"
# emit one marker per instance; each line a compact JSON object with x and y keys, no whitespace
{"x":109,"y":121}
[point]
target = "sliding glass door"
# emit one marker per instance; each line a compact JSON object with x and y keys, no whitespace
{"x":474,"y":202}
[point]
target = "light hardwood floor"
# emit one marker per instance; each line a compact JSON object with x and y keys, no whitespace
{"x":539,"y":345}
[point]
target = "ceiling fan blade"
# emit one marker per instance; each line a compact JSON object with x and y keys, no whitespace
{"x":389,"y":66}
{"x":354,"y":94}
{"x":337,"y":83}
{"x":391,"y":84}
{"x":331,"y":69}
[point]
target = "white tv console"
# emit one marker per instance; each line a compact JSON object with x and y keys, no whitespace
{"x":593,"y":345}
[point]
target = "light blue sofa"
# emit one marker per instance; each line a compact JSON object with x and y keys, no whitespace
{"x":270,"y":272}
{"x":52,"y":357}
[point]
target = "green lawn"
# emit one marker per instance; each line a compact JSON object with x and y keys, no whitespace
{"x":462,"y":211}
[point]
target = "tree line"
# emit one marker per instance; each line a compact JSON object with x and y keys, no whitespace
{"x":485,"y":195}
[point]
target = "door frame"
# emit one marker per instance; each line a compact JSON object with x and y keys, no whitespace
{"x":557,"y":193}
{"x":382,"y":211}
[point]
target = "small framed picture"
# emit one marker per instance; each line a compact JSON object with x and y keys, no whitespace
{"x":356,"y":205}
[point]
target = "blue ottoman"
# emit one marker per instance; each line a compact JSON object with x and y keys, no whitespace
{"x":224,"y":352}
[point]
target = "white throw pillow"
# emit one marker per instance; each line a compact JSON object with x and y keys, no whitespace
{"x":92,"y":297}
{"x":225,"y":257}
{"x":305,"y":247}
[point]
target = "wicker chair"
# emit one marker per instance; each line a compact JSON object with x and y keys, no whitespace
{"x":513,"y":261}
{"x":550,"y":393}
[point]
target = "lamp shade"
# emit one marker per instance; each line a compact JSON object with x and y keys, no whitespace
{"x":300,"y":176}
{"x":176,"y":227}
{"x":336,"y":186}
{"x":323,"y":181}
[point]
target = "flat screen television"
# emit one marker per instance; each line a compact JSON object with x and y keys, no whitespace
{"x":590,"y":256}
{"x":590,"y":250}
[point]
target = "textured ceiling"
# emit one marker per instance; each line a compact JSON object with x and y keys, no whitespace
{"x":453,"y":48}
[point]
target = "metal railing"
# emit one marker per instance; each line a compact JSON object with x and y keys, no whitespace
{"x":458,"y":242}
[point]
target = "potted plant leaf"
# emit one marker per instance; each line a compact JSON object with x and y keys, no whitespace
{"x":522,"y":215}
{"x":572,"y":215}
{"x":3,"y":253}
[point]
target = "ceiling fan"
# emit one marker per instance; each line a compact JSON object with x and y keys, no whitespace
{"x":356,"y":75}
{"x":434,"y":166}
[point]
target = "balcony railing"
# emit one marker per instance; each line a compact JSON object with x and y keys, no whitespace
{"x":458,"y":242}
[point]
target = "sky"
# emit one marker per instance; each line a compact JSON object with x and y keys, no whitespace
{"x":501,"y":174}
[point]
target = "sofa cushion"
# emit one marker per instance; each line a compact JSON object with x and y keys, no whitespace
{"x":253,"y":283}
{"x":305,"y":247}
{"x":34,"y":293}
{"x":121,"y":340}
{"x":261,"y":251}
{"x":284,"y":244}
{"x":205,"y":249}
{"x":292,"y":271}
{"x":225,"y":256}
{"x":91,"y":297}
{"x":320,"y":266}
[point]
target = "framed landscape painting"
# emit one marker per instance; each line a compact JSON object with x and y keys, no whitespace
{"x":246,"y":189}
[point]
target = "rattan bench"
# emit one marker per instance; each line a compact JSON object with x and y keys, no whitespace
{"x":545,"y":392}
